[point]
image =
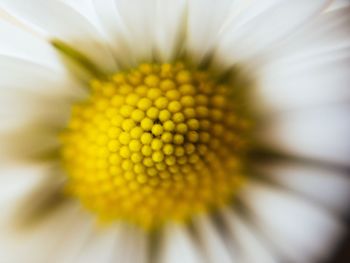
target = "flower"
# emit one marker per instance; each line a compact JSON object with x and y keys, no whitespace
{"x":173,"y":130}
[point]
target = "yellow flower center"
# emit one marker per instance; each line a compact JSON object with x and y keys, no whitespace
{"x":157,"y":143}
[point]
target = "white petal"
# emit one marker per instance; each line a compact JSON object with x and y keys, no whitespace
{"x":311,"y":82}
{"x":21,"y":44}
{"x":136,"y":29}
{"x":76,"y":235}
{"x":86,"y":9}
{"x":328,"y":187}
{"x":178,"y":246}
{"x":132,"y":245}
{"x":120,"y":40}
{"x":33,"y":93}
{"x":56,"y":19}
{"x":38,"y":242}
{"x":338,"y":4}
{"x":265,"y":30}
{"x":16,"y":182}
{"x":249,"y":245}
{"x":111,"y":243}
{"x":169,"y":23}
{"x":213,"y":247}
{"x":138,"y":17}
{"x":29,"y":76}
{"x":100,"y":246}
{"x":19,"y":108}
{"x":327,"y":32}
{"x":24,"y":109}
{"x":205,"y":19}
{"x":140,"y":243}
{"x":71,"y":241}
{"x":310,"y":68}
{"x":316,"y":134}
{"x":245,"y":11}
{"x":293,"y":224}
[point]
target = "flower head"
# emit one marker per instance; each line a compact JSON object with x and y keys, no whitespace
{"x":174,"y":130}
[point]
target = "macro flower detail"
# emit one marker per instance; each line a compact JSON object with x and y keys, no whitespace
{"x":160,"y":142}
{"x":167,"y":131}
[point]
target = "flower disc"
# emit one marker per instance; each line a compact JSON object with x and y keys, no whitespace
{"x":159,"y":142}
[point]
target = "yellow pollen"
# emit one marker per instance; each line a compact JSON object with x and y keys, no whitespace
{"x":158,"y":143}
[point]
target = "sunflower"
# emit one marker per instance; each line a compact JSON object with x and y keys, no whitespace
{"x":173,"y":130}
